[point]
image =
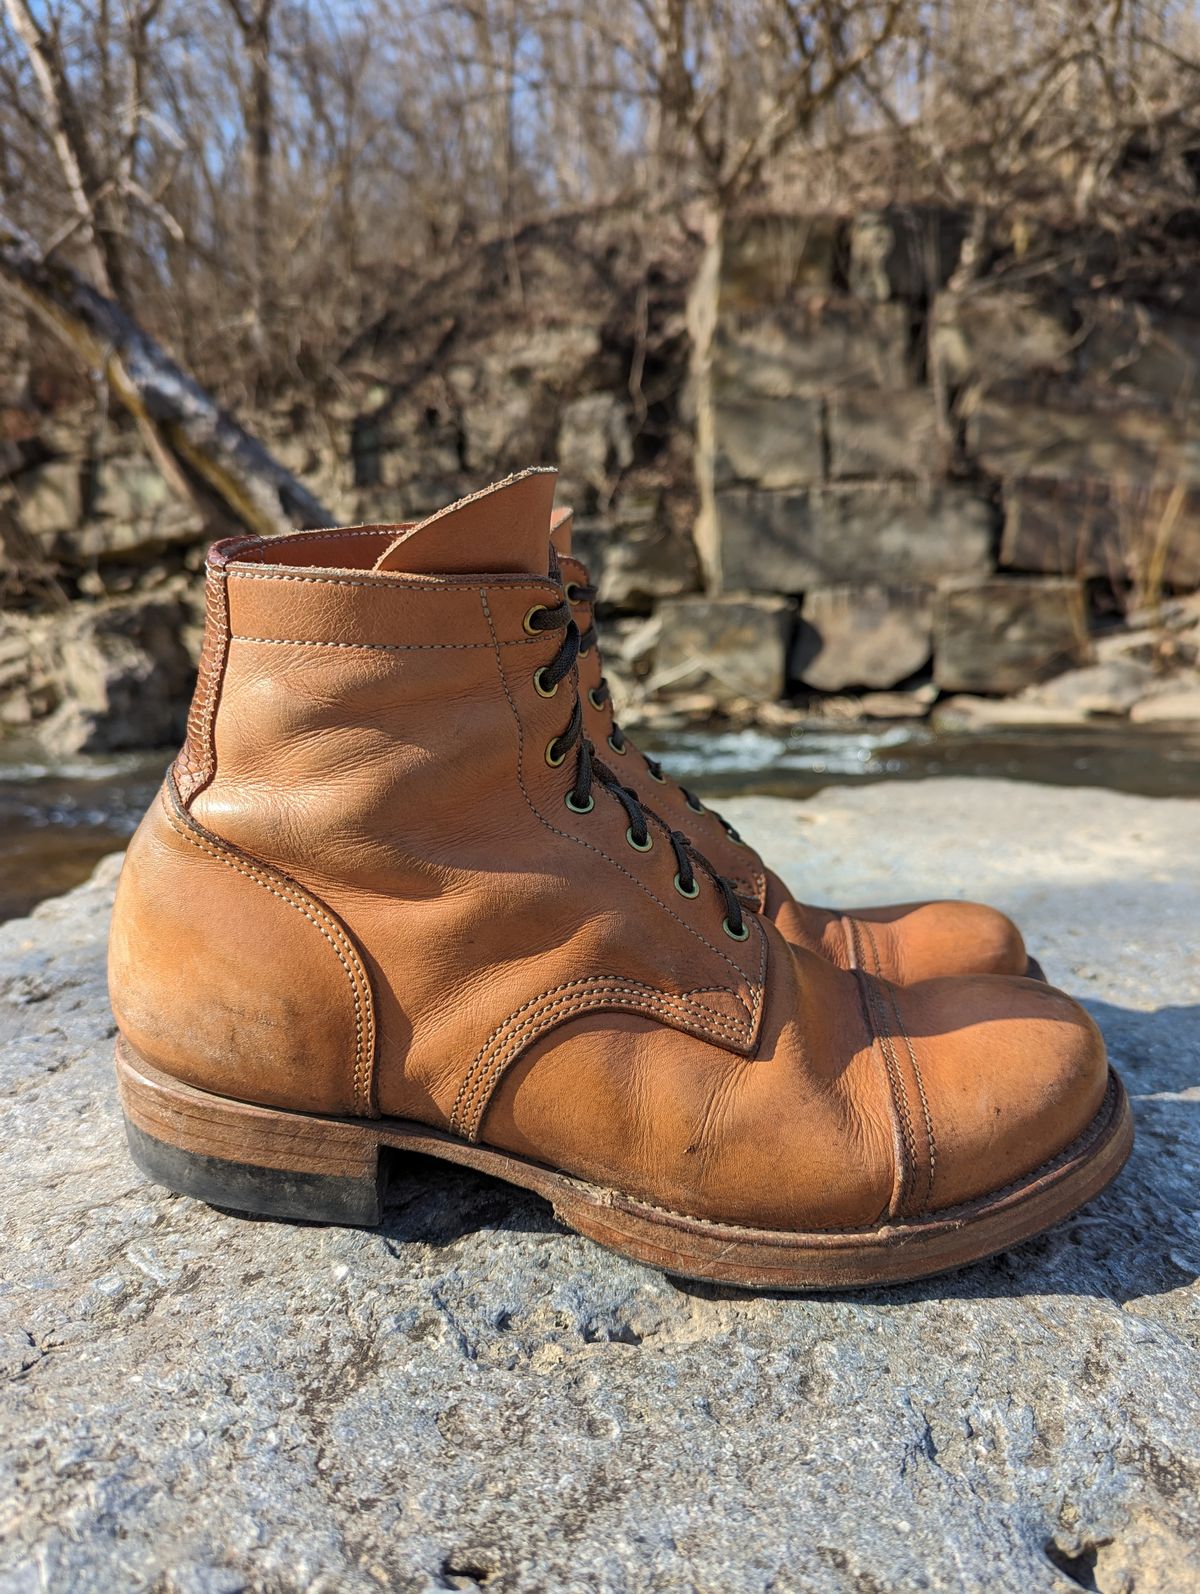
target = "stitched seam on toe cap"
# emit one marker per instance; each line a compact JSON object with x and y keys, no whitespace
{"x":964,"y":1209}
{"x":906,"y":1145}
{"x":930,"y":1139}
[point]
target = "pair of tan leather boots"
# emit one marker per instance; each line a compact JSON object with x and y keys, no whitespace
{"x":409,"y":887}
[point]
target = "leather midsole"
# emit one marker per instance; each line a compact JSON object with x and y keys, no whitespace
{"x":299,"y":1142}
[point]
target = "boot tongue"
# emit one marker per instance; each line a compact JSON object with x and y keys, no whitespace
{"x":504,"y":529}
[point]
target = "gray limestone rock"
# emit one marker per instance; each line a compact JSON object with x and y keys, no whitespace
{"x":196,"y":1403}
{"x":886,"y":532}
{"x":872,"y":433}
{"x":862,"y":636}
{"x":1005,"y":633}
{"x":734,"y":648}
{"x":773,"y":442}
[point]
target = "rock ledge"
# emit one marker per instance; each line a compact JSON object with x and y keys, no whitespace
{"x":196,"y":1403}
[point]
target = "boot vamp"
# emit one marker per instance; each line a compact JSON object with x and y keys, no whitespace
{"x":864,"y":1101}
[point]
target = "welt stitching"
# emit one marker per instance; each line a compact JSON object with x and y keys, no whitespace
{"x":578,"y":840}
{"x":362,"y":1032}
{"x":585,"y":984}
{"x":382,"y":647}
{"x":590,"y":994}
{"x":539,"y":1023}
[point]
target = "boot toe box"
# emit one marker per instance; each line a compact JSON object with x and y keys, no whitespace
{"x":1013,"y":1072}
{"x":936,"y":939}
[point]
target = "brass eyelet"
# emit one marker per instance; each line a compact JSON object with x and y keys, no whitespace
{"x":585,"y":653}
{"x":697,"y":808}
{"x":550,"y":751}
{"x":639,"y":846}
{"x":661,"y":779}
{"x":618,"y":747}
{"x":572,"y":591}
{"x":574,"y":806}
{"x":733,"y":934}
{"x":597,"y":703}
{"x":533,"y":630}
{"x":539,"y":686}
{"x":694,"y":892}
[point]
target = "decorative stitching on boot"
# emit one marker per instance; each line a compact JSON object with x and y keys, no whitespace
{"x":931,"y":1143}
{"x":307,"y":906}
{"x":593,"y":993}
{"x":386,"y":647}
{"x":925,"y":1113}
{"x":197,"y":761}
{"x":906,"y":1158}
{"x":385,"y":581}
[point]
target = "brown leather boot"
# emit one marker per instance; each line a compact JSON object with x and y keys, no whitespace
{"x":387,"y":899}
{"x":906,"y":942}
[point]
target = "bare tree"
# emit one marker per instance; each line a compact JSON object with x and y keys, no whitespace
{"x":254,"y":20}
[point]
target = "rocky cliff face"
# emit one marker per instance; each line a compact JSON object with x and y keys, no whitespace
{"x":830,"y":455}
{"x":941,"y":469}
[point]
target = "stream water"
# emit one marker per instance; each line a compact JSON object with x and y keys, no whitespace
{"x":58,"y":821}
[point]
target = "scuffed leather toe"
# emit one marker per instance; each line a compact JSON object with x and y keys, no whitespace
{"x":1012,"y":1072}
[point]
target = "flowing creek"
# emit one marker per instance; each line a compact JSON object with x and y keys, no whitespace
{"x":58,"y":821}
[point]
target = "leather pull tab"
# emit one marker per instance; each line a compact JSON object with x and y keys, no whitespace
{"x":505,"y":529}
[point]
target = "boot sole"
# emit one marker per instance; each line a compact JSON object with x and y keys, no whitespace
{"x":331,"y":1170}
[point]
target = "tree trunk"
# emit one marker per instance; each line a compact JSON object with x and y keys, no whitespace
{"x":230,"y":472}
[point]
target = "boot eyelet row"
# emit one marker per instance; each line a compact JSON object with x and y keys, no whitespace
{"x":554,"y":757}
{"x":539,"y":684}
{"x":530,"y":629}
{"x":577,"y":808}
{"x":597,"y":703}
{"x":733,"y":934}
{"x":690,"y":895}
{"x":617,"y":747}
{"x":638,"y":846}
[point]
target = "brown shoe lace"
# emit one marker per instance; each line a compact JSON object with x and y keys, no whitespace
{"x":590,"y":771}
{"x":600,"y":695}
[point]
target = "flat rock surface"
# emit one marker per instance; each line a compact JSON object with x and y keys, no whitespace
{"x":195,"y":1402}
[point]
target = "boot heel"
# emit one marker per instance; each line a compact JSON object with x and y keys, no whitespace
{"x":251,"y":1159}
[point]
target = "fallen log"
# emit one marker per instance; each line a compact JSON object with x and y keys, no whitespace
{"x":199,"y":446}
